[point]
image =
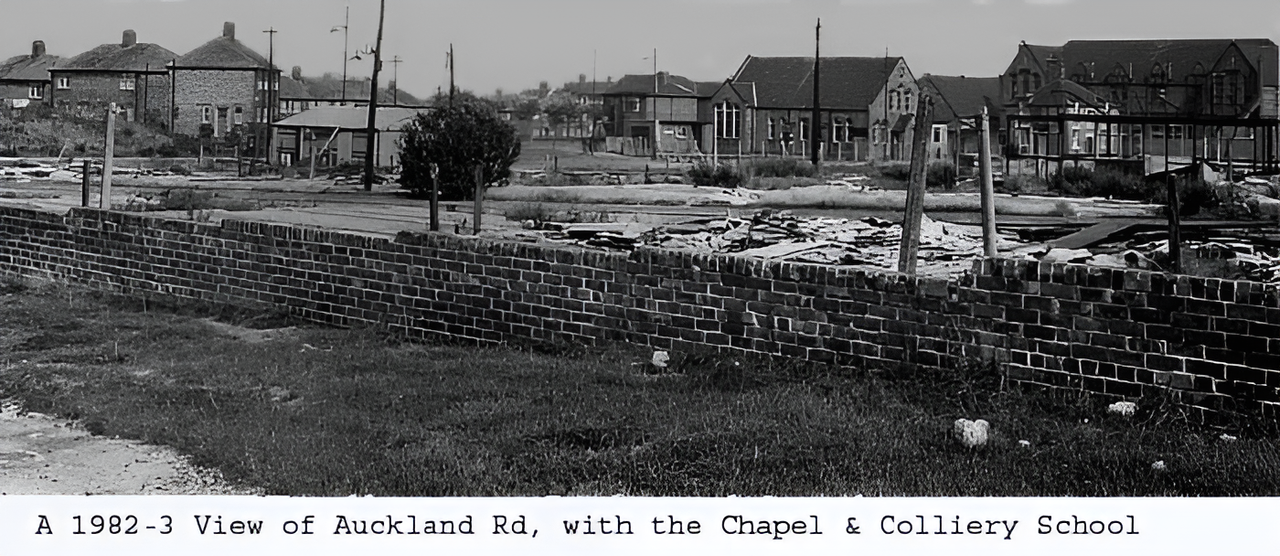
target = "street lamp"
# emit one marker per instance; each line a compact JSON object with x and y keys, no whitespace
{"x":345,"y":35}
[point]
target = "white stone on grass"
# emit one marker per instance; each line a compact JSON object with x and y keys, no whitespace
{"x":1123,"y":409}
{"x":971,"y":434}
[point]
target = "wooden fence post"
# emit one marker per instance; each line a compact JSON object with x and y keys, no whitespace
{"x":105,"y":203}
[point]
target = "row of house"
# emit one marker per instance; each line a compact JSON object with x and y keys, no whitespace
{"x":1146,"y":104}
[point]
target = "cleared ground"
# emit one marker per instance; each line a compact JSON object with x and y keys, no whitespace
{"x":292,"y":409}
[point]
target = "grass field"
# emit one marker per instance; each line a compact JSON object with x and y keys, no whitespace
{"x":304,"y":410}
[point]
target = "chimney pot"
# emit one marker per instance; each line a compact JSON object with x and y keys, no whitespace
{"x":229,"y":30}
{"x":582,"y":78}
{"x":129,"y":38}
{"x":37,"y":49}
{"x":297,"y":73}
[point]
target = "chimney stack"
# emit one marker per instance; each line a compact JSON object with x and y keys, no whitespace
{"x":130,"y":38}
{"x":662,"y":77}
{"x":37,"y":49}
{"x":229,"y":30}
{"x":297,"y":73}
{"x":582,"y":78}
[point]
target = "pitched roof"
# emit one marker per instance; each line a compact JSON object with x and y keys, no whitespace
{"x":1060,"y":92}
{"x":351,"y":119}
{"x":643,"y":84}
{"x":1102,"y":56}
{"x":223,"y":53}
{"x":28,"y":68}
{"x":849,"y":83}
{"x":960,"y":96}
{"x":119,"y":58}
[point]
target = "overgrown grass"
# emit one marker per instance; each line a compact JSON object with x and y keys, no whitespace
{"x":336,"y":412}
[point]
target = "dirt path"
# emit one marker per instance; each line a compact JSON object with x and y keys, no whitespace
{"x":43,"y":455}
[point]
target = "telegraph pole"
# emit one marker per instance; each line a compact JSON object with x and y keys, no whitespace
{"x":451,"y":87}
{"x":372,"y":131}
{"x":815,"y":129}
{"x":395,"y":79}
{"x":270,"y":103}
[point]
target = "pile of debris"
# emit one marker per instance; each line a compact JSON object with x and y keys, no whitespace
{"x":945,"y":248}
{"x":22,"y":171}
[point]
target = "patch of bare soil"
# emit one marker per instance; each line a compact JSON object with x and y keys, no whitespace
{"x":43,"y":455}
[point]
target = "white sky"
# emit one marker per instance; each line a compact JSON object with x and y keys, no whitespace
{"x":514,"y":44}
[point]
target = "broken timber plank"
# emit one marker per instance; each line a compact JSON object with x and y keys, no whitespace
{"x":1094,"y":235}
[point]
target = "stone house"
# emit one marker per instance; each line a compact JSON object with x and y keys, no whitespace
{"x":958,"y":104}
{"x":659,"y":112}
{"x":1143,"y":104}
{"x":225,"y":90}
{"x":866,"y":106}
{"x":130,"y":74}
{"x":25,"y":78}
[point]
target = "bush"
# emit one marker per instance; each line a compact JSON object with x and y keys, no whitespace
{"x":456,"y":139}
{"x":1103,"y":182}
{"x":722,"y":175}
{"x":940,"y":173}
{"x":782,"y":168}
{"x":1194,"y":195}
{"x":896,"y":171}
{"x":1020,"y":183}
{"x":537,"y":212}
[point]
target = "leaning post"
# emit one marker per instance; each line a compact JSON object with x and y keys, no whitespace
{"x":910,"y":244}
{"x":988,"y":190}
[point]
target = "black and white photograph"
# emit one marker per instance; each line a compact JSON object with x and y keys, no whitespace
{"x":592,"y":250}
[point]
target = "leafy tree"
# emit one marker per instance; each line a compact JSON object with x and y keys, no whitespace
{"x":456,"y":140}
{"x":559,"y":109}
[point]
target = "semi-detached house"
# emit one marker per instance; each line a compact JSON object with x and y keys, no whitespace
{"x":129,"y":73}
{"x":224,"y":89}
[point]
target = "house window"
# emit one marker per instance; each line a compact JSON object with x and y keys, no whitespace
{"x":937,"y":133}
{"x":239,"y":115}
{"x":1157,"y":132}
{"x":727,"y":115}
{"x":35,"y":92}
{"x":633,"y":105}
{"x":206,"y":114}
{"x":682,"y":132}
{"x":127,"y":82}
{"x":906,"y":100}
{"x":359,"y":145}
{"x":64,"y":83}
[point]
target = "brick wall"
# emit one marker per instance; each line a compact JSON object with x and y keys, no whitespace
{"x":1211,"y":344}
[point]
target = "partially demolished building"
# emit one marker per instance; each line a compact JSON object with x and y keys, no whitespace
{"x":1145,"y":105}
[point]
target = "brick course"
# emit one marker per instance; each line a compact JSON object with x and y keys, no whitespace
{"x":1116,"y":333}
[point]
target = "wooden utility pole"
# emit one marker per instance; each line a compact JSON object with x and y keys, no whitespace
{"x":371,"y":132}
{"x":395,"y":79}
{"x":914,"y":213}
{"x":451,"y":86}
{"x":988,"y":188}
{"x":107,"y":158}
{"x":270,"y":105}
{"x":815,"y":130}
